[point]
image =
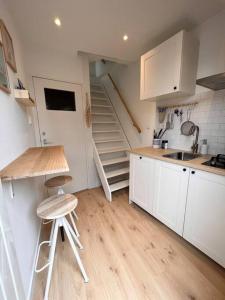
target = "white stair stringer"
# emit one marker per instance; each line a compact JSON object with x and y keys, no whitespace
{"x":109,"y":142}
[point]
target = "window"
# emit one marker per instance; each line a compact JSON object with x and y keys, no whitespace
{"x":59,"y":100}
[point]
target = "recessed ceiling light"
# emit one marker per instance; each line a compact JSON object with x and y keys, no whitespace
{"x":125,"y":37}
{"x":57,"y":22}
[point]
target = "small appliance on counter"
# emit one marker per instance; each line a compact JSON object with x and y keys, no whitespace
{"x":216,"y":161}
{"x":164,"y":144}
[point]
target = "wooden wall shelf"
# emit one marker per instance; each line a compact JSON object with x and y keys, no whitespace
{"x":36,"y":161}
{"x":23,"y":97}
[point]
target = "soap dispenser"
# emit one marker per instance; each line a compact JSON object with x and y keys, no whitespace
{"x":204,"y":147}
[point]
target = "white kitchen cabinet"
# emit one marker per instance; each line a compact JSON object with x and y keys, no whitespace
{"x":170,"y":194}
{"x":205,"y":214}
{"x":142,"y":181}
{"x":170,"y":69}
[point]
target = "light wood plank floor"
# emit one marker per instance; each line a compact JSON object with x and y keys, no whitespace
{"x":128,"y":255}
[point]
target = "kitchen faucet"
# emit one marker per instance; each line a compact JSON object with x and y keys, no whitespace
{"x":195,"y":144}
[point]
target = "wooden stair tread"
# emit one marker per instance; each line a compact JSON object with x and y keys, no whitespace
{"x":114,"y":161}
{"x":104,"y":122}
{"x":112,"y":150}
{"x":100,"y":105}
{"x":118,"y":172}
{"x":101,"y":114}
{"x":108,"y":141}
{"x":99,"y":98}
{"x":119,"y":185}
{"x":105,"y":131}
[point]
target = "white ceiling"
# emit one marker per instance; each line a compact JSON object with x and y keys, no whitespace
{"x":97,"y":26}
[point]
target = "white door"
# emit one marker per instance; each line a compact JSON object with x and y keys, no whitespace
{"x":142,"y":181}
{"x":63,"y":124}
{"x":204,"y":224}
{"x":171,"y":194}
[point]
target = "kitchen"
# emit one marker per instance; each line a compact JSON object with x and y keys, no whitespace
{"x":142,"y":156}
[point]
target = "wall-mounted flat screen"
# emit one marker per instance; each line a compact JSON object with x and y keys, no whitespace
{"x":60,"y":100}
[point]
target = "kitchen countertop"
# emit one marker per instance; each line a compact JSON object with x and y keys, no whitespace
{"x":36,"y":161}
{"x":195,"y":163}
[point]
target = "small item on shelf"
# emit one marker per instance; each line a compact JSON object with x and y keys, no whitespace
{"x":156,"y":143}
{"x":204,"y":147}
{"x":164,"y":144}
{"x":20,"y":85}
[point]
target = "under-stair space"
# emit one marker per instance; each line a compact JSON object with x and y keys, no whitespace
{"x":110,"y":142}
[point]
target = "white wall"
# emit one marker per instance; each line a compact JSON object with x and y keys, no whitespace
{"x":127,"y":79}
{"x":209,"y":114}
{"x":16,"y":135}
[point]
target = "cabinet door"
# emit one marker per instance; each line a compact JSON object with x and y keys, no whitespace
{"x":160,"y":69}
{"x":142,"y":181}
{"x":205,"y":214}
{"x":170,"y":195}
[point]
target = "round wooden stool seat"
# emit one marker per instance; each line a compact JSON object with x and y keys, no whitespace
{"x":58,"y":181}
{"x":57,"y":206}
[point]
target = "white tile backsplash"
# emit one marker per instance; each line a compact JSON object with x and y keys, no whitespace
{"x":209,"y":115}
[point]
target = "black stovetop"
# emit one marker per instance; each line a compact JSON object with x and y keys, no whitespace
{"x":216,"y":161}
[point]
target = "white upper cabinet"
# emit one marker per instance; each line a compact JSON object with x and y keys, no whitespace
{"x":171,"y":194}
{"x":142,"y":182}
{"x":170,"y":69}
{"x":205,"y":214}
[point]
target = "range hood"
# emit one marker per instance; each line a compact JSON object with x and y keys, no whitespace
{"x":214,"y":82}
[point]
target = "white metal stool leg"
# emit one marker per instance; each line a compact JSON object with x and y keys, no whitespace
{"x":52,"y":231}
{"x":74,"y":213}
{"x":65,"y":225}
{"x":51,"y":258}
{"x":74,"y":225}
{"x":73,"y":234}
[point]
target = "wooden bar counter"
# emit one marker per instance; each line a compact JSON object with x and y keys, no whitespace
{"x":36,"y":161}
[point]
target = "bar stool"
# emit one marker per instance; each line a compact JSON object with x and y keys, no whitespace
{"x":56,"y":208}
{"x":58,"y":182}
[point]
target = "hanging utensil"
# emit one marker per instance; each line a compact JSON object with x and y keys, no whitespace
{"x":172,"y":121}
{"x":188,"y":127}
{"x":162,"y":114}
{"x":168,"y":121}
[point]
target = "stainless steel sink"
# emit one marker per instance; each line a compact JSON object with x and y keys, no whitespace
{"x":181,"y":156}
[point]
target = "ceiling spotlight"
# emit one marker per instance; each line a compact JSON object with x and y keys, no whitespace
{"x":125,"y":37}
{"x":57,"y":22}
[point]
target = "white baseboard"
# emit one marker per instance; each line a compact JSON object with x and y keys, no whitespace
{"x":30,"y":290}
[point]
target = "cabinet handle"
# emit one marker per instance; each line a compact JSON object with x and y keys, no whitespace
{"x":184,"y":170}
{"x":192,"y":172}
{"x":174,"y":87}
{"x":140,"y":157}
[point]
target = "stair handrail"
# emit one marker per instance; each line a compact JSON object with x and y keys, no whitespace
{"x":124,"y":103}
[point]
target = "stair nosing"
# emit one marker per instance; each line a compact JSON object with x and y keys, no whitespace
{"x":112,"y":150}
{"x":111,"y":174}
{"x":114,"y":162}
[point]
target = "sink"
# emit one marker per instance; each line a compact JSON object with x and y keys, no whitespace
{"x":181,"y":156}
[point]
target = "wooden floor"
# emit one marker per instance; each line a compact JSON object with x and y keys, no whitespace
{"x":129,"y":255}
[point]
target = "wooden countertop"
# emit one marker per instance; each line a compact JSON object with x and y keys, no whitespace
{"x":36,"y":161}
{"x":195,"y":163}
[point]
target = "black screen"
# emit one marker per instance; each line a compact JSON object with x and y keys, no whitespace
{"x":59,"y":100}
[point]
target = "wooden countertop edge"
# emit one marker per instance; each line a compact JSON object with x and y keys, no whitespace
{"x":7,"y":178}
{"x":63,"y":169}
{"x":194,"y":163}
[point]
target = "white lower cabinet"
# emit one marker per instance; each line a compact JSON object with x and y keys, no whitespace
{"x":142,"y":181}
{"x":190,"y":202}
{"x":170,"y":194}
{"x":205,"y":214}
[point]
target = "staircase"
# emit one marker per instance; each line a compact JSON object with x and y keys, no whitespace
{"x":109,"y":142}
